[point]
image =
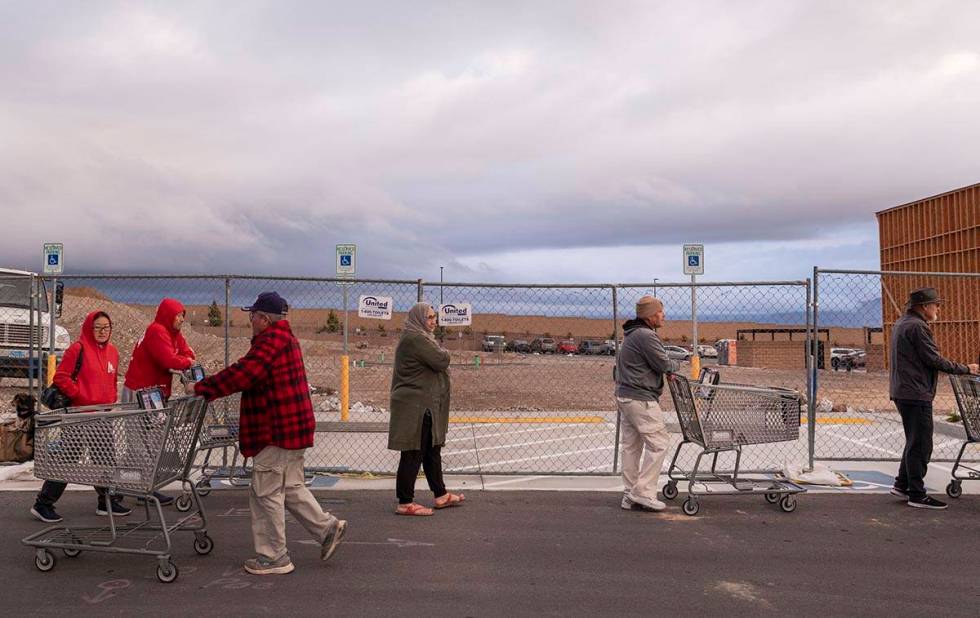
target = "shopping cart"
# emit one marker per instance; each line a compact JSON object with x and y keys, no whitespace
{"x":724,"y":418}
{"x":219,"y":432}
{"x":967,"y":390}
{"x":131,"y":452}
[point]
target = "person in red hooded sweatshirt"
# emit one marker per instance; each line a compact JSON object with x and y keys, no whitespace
{"x":95,"y":384}
{"x":161,"y":349}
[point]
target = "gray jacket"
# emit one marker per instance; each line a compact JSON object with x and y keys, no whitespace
{"x":914,"y":361}
{"x":641,"y":363}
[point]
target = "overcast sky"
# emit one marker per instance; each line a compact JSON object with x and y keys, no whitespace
{"x":528,"y":141}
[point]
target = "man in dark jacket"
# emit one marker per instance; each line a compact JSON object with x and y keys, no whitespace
{"x":640,"y":367}
{"x":276,"y":427}
{"x":914,"y":365}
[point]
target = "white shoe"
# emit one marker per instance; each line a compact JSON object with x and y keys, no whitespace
{"x":651,"y":503}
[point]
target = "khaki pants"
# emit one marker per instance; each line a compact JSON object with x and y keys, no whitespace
{"x":277,"y":485}
{"x":642,"y":427}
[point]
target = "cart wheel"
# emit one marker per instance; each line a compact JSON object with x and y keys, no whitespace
{"x":670,"y":490}
{"x":167,"y":572}
{"x":954,"y":489}
{"x":71,"y":552}
{"x":44,"y":560}
{"x":691,"y":507}
{"x":788,"y":504}
{"x":203,"y":545}
{"x":183,"y":503}
{"x":203,"y":487}
{"x":772,"y":497}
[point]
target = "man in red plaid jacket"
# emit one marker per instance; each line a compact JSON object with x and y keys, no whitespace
{"x":276,"y":428}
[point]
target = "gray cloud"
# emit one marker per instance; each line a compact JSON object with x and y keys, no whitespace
{"x":253,"y":136}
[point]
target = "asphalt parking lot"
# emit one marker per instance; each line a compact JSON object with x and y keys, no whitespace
{"x":534,"y":553}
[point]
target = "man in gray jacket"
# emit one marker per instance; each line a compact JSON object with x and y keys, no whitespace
{"x":640,"y":367}
{"x":914,"y":366}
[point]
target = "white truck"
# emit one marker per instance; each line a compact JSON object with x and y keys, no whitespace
{"x":16,"y":357}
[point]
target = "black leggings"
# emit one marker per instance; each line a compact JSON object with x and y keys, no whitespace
{"x":430,"y":459}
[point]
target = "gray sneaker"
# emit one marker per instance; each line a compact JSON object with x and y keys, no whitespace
{"x":651,"y":504}
{"x":263,"y":566}
{"x":332,"y":539}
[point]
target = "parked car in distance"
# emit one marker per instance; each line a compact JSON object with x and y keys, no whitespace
{"x":567,"y":346}
{"x":707,"y":351}
{"x":837,"y":356}
{"x":675,"y":352}
{"x":544,"y":345}
{"x":857,"y":358}
{"x":519,"y":345}
{"x":611,"y":347}
{"x":593,"y":348}
{"x":494,"y":343}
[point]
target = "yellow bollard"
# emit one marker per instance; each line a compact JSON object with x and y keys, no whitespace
{"x":345,"y":388}
{"x":52,"y":366}
{"x":695,"y":367}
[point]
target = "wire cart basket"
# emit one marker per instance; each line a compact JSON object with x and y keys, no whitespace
{"x":967,"y":391}
{"x":724,"y":418}
{"x":219,"y":432}
{"x":130,"y":452}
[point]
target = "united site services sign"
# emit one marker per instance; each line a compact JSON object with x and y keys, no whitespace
{"x":377,"y":307}
{"x":455,"y":314}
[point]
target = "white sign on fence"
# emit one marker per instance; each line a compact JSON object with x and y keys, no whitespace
{"x":693,"y":259}
{"x":54,"y":258}
{"x":455,"y":314}
{"x":376,"y":307}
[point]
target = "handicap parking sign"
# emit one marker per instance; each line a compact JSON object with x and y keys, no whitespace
{"x":53,"y":262}
{"x":345,"y":260}
{"x":693,"y":259}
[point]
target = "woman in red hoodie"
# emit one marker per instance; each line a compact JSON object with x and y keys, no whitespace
{"x":95,"y":384}
{"x":161,"y":349}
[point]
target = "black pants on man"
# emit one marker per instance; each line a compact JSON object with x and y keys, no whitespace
{"x":429,"y":457}
{"x":917,"y":422}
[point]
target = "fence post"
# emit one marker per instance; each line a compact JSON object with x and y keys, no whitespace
{"x":33,"y":364}
{"x":421,"y":294}
{"x":810,"y":406}
{"x":227,"y":318}
{"x":615,"y":333}
{"x":811,"y":409}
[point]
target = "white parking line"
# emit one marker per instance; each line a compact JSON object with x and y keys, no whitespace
{"x":502,"y":433}
{"x":495,"y":448}
{"x":551,"y":456}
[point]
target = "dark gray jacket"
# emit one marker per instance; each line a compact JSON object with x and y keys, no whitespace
{"x":641,"y":363}
{"x":914,"y":361}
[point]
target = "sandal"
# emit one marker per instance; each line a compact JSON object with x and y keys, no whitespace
{"x":451,"y":500}
{"x":413,"y":509}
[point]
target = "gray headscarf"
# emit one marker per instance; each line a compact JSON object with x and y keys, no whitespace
{"x":415,"y":322}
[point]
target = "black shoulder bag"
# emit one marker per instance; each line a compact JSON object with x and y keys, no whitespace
{"x":52,"y":397}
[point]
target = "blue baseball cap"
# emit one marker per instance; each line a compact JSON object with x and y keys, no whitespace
{"x":269,"y":302}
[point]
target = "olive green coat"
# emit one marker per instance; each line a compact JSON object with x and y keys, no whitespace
{"x":419,"y":382}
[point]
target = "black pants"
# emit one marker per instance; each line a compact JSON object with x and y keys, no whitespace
{"x":429,"y":457}
{"x":51,"y":491}
{"x":74,"y":444}
{"x":917,"y":422}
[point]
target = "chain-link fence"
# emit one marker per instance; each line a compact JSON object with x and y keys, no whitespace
{"x":25,"y":329}
{"x":854,"y":316}
{"x":532,"y":376}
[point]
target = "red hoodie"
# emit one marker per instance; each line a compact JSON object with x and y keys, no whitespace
{"x":161,"y":349}
{"x":96,"y":382}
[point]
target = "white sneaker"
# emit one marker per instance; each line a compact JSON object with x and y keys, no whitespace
{"x":651,"y":503}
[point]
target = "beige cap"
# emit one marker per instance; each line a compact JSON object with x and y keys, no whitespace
{"x":647,"y":306}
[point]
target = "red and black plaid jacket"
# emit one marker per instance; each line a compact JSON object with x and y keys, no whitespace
{"x":276,"y":407}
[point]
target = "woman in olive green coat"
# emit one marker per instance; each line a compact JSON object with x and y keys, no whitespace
{"x":420,"y":411}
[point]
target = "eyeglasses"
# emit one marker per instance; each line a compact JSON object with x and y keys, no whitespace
{"x":102,"y":329}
